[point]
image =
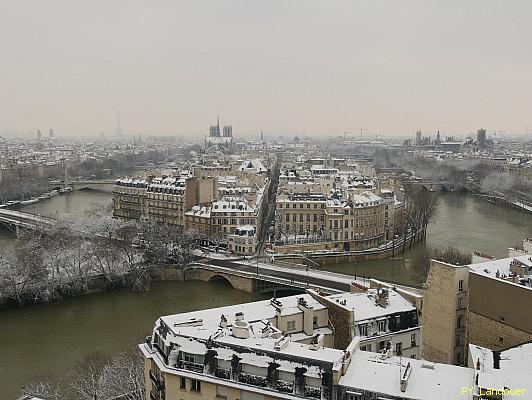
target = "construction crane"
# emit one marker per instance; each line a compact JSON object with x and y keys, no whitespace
{"x":361,"y":131}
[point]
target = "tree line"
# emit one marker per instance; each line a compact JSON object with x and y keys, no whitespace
{"x":67,"y":258}
{"x":96,"y":378}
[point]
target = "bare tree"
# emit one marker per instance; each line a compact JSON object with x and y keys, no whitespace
{"x":420,"y":208}
{"x":451,"y":255}
{"x":123,"y":376}
{"x":45,"y":389}
{"x":86,"y":379}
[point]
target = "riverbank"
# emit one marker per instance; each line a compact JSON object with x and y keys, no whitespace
{"x":48,"y":340}
{"x":331,"y":255}
{"x":504,"y":201}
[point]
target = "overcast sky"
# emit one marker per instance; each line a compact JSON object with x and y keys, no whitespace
{"x":288,"y":67}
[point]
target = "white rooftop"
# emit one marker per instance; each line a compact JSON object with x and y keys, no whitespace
{"x":205,"y":324}
{"x":365,"y":305}
{"x":368,"y":371}
{"x":511,"y":368}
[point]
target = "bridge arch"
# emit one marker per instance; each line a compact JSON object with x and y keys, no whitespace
{"x":220,"y":279}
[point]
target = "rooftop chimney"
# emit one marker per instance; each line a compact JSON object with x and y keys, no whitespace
{"x":404,"y":377}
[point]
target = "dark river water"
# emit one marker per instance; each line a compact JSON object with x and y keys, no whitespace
{"x":48,"y":340}
{"x":464,"y":222}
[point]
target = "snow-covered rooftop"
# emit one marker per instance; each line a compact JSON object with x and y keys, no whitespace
{"x":501,"y":268}
{"x":366,"y":307}
{"x":510,"y":368}
{"x":370,"y":372}
{"x":190,"y":330}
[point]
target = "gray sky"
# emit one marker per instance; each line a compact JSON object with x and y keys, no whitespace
{"x":289,"y":67}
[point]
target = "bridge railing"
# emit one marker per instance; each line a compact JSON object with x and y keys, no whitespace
{"x":264,"y":277}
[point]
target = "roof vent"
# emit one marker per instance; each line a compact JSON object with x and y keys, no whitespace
{"x":240,"y":329}
{"x":281,"y":343}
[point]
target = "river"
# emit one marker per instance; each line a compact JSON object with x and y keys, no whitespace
{"x":49,"y":339}
{"x":465,"y":222}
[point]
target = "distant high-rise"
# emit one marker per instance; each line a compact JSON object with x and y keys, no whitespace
{"x":118,"y":131}
{"x":39,"y":134}
{"x":51,"y":133}
{"x":261,"y":136}
{"x":418,"y":137}
{"x":228,"y":131}
{"x":481,"y":138}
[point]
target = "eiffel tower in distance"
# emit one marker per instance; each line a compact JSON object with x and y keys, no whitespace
{"x":118,"y":131}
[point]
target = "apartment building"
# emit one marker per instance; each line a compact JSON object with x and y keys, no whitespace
{"x":129,"y":198}
{"x":487,"y":304}
{"x":222,"y":217}
{"x":213,"y":207}
{"x":445,"y":295}
{"x":243,"y":241}
{"x":289,"y":348}
{"x":384,"y":318}
{"x":23,"y":170}
{"x":357,"y":222}
{"x":162,"y":200}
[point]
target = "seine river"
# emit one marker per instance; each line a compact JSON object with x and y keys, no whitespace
{"x":47,"y":340}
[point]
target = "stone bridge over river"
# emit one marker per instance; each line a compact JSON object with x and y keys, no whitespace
{"x":260,"y":277}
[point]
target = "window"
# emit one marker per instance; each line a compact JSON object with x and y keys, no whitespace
{"x":195,"y":385}
{"x":459,"y":322}
{"x":363,"y":329}
{"x":315,"y":321}
{"x":182,"y":383}
{"x":291,"y":325}
{"x":413,"y":339}
{"x":193,"y":358}
{"x":399,"y":348}
{"x":382,"y":345}
{"x":366,"y":347}
{"x":460,"y":285}
{"x":381,"y":326}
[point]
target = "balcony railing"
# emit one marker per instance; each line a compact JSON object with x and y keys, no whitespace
{"x":193,"y":366}
{"x":159,"y":383}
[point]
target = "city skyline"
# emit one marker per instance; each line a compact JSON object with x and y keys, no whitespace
{"x":291,"y":68}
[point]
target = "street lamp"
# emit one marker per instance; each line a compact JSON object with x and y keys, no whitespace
{"x":307,"y":274}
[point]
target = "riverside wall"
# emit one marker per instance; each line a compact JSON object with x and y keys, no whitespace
{"x":312,"y":251}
